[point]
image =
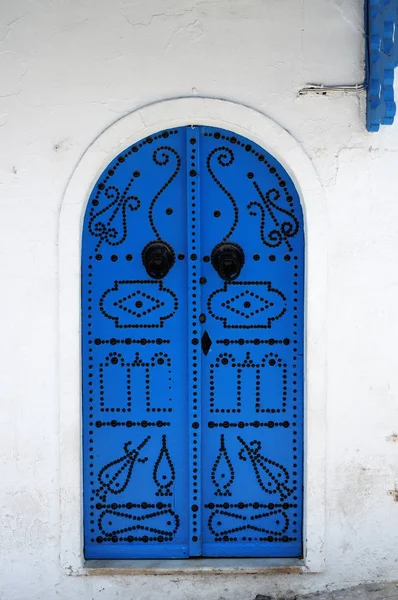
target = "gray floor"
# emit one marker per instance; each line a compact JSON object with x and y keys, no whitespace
{"x":369,"y":591}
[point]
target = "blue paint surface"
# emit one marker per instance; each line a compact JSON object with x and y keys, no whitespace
{"x":381,"y":20}
{"x":192,"y":385}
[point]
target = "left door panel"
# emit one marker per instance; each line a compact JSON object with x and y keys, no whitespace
{"x":134,"y":328}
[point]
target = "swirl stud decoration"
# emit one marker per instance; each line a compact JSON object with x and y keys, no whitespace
{"x":277,"y":225}
{"x":110,"y":223}
{"x":225,"y":158}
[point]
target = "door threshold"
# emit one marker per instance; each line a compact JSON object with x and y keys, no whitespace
{"x":195,"y":565}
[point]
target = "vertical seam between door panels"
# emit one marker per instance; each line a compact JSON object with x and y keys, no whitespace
{"x":194,"y":368}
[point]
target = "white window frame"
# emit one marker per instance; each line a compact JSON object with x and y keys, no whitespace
{"x":278,"y":142}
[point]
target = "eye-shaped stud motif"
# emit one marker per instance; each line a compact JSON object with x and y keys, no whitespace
{"x":158,"y":258}
{"x":228,"y":259}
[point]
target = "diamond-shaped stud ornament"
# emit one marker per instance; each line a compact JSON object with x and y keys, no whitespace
{"x":206,"y":343}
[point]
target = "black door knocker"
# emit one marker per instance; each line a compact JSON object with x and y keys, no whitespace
{"x":228,"y":259}
{"x":158,"y":258}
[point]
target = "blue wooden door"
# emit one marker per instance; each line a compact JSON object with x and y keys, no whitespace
{"x":192,"y":345}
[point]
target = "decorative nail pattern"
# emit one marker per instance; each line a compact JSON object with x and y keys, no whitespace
{"x":193,"y":428}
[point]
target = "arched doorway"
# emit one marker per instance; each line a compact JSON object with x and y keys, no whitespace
{"x":192,"y":338}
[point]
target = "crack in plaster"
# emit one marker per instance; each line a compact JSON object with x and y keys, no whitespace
{"x":377,"y":152}
{"x":19,"y":80}
{"x":158,"y":15}
{"x":8,"y":27}
{"x":354,"y":22}
{"x":198,"y":33}
{"x":14,"y":21}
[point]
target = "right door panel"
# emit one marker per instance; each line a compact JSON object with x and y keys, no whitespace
{"x":252,"y":320}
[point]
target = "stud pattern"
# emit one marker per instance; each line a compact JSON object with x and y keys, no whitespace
{"x":253,"y":304}
{"x":252,"y":373}
{"x":222,"y":473}
{"x":116,"y":370}
{"x":138,"y":303}
{"x":225,"y":158}
{"x":193,"y":428}
{"x":283,"y":225}
{"x":194,"y":346}
{"x":269,"y":372}
{"x":162,"y":157}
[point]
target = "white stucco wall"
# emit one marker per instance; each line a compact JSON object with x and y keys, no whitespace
{"x":69,"y":69}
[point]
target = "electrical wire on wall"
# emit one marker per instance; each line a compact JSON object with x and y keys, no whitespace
{"x":321,"y":89}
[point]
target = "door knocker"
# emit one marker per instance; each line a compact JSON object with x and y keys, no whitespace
{"x":228,"y":259}
{"x":158,"y":258}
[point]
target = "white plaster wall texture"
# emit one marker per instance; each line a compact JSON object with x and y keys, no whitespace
{"x":69,"y":70}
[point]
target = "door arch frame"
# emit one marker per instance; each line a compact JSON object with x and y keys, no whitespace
{"x":280,"y":144}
